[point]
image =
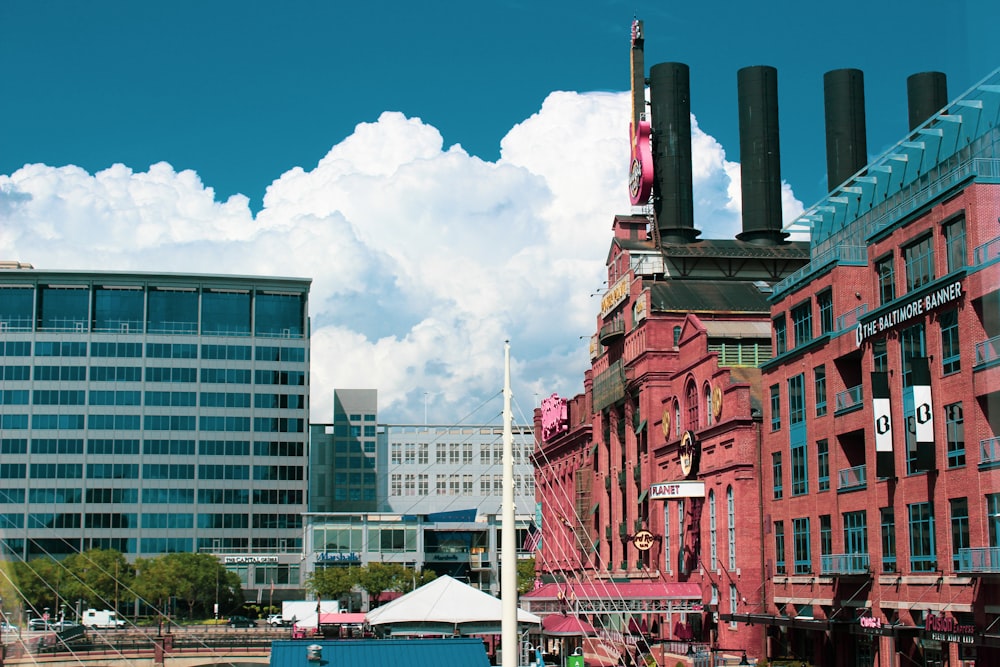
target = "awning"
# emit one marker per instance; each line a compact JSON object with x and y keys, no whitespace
{"x":594,"y":508}
{"x":781,"y":621}
{"x":558,"y":625}
{"x":341,"y":619}
{"x":618,"y":590}
{"x":593,"y":449}
{"x":737,"y":329}
{"x":642,"y":496}
{"x":639,"y":429}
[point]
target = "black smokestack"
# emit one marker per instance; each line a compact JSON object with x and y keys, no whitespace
{"x":926,"y":94}
{"x":670,"y":101}
{"x":760,"y":158}
{"x":846,"y":138}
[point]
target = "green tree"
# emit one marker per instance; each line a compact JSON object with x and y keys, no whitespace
{"x":102,"y":578}
{"x":38,"y":582}
{"x":378,"y":578}
{"x":525,"y":575}
{"x":195,"y":579}
{"x":332,"y":583}
{"x":418,"y":579}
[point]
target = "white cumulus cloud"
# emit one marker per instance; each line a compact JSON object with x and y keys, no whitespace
{"x":424,"y":259}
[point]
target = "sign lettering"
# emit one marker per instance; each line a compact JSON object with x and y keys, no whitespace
{"x":668,"y":490}
{"x":907,"y":311}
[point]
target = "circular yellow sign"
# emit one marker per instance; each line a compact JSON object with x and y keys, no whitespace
{"x":666,"y":424}
{"x":717,"y":402}
{"x":688,"y":451}
{"x":643,"y":540}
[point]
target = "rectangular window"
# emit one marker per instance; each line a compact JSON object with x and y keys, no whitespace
{"x":954,"y":421}
{"x":856,"y":533}
{"x":880,"y":356}
{"x":800,"y":545}
{"x":918,"y":258}
{"x":802,"y":323}
{"x":911,"y":344}
{"x":775,"y":407}
{"x":819,"y":381}
{"x":886,"y":279}
{"x":800,"y":469}
{"x":888,"y":526}
{"x":822,"y":465}
{"x":780,"y":335}
{"x":796,"y":399}
{"x":779,"y":547}
{"x":824,"y":300}
{"x":922,"y":554}
{"x":959,"y":528}
{"x":951,"y":358}
{"x":954,"y":243}
{"x":776,"y":473}
{"x":993,"y":518}
{"x":825,"y":535}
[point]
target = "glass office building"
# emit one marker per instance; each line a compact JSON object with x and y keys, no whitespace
{"x":154,"y":413}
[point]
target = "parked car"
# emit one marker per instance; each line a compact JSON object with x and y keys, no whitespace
{"x":39,"y":624}
{"x":242,"y":622}
{"x":64,"y":625}
{"x":275,"y":620}
{"x":7,"y":627}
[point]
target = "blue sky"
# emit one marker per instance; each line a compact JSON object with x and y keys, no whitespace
{"x":478,"y":209}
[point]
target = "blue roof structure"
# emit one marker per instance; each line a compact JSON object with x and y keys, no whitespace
{"x":459,"y":651}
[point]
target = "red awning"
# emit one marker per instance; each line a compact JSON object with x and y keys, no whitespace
{"x":558,"y":625}
{"x":341,"y":619}
{"x":609,"y":590}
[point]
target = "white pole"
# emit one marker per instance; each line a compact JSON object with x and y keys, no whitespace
{"x":508,"y":542}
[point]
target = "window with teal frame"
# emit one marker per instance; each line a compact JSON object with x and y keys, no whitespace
{"x":923,"y":557}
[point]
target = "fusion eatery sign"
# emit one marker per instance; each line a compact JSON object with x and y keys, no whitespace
{"x":907,"y":311}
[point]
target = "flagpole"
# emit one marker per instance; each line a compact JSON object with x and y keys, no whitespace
{"x":508,"y":542}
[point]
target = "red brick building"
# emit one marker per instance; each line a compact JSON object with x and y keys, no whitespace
{"x":882,"y":409}
{"x":649,"y":479}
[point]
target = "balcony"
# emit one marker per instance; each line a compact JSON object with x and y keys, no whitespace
{"x":988,"y":351}
{"x":844,"y":564}
{"x":850,"y":400}
{"x":989,"y":453}
{"x":986,"y":252}
{"x":612,"y":332}
{"x":980,"y":560}
{"x":849,"y":320}
{"x":851,"y":479}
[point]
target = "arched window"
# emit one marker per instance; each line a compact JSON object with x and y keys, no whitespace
{"x":712,"y":542}
{"x":692,"y":406}
{"x":708,"y":404}
{"x":731,"y":526}
{"x":677,"y":336}
{"x":677,"y":417}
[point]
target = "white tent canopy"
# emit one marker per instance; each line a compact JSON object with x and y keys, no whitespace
{"x":444,"y":606}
